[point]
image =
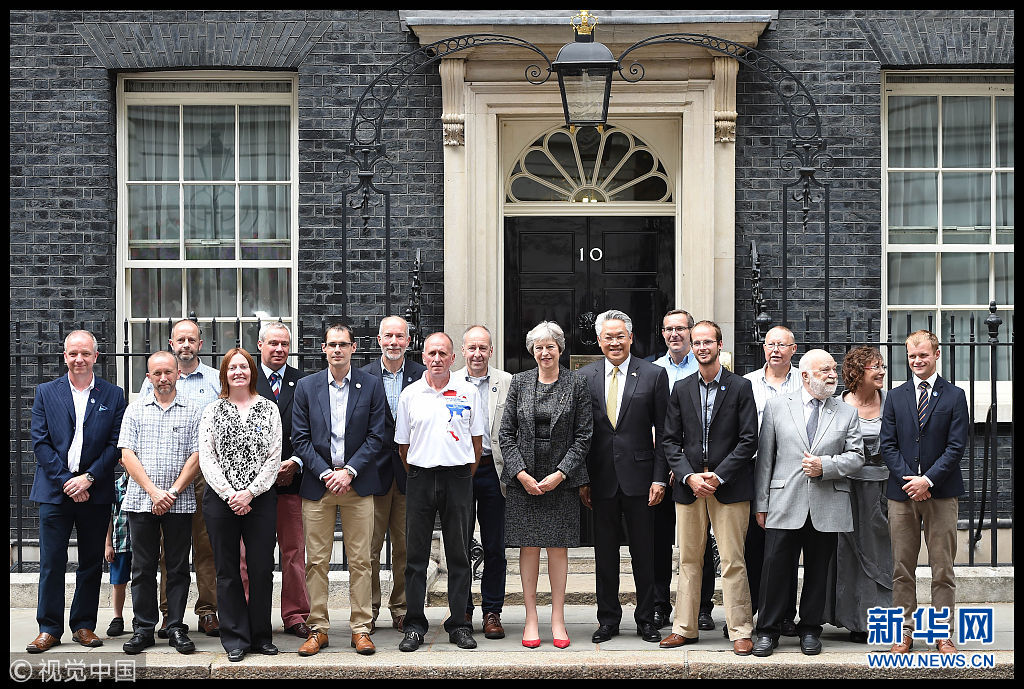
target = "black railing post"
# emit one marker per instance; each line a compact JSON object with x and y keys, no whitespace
{"x":19,"y":501}
{"x":993,"y":322}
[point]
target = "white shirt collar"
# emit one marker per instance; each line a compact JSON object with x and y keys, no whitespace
{"x":623,"y":367}
{"x":807,"y":397}
{"x":347,"y":380}
{"x":267,"y":370}
{"x":90,"y":386}
{"x":930,"y":380}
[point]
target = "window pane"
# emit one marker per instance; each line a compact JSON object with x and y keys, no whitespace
{"x":265,"y":292}
{"x":965,"y":278}
{"x":265,"y":220}
{"x":1004,"y":279}
{"x":219,"y":337}
{"x":263,"y":138}
{"x":212,"y":291}
{"x":152,"y":142}
{"x":146,"y":340}
{"x":913,"y":131}
{"x":155,"y":292}
{"x":153,"y":226}
{"x":209,"y":222}
{"x":1004,"y":208}
{"x":913,"y":207}
{"x":966,"y":131}
{"x":899,"y":328}
{"x":966,"y":208}
{"x":209,"y":142}
{"x":1004,"y":132}
{"x":957,"y":357}
{"x":911,"y":278}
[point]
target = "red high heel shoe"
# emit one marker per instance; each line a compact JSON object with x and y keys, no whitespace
{"x":561,"y":643}
{"x":531,"y":643}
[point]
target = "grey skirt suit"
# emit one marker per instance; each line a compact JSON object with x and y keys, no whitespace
{"x":545,"y":428}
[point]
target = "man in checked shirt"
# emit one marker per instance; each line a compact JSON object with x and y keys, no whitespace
{"x":159,"y":444}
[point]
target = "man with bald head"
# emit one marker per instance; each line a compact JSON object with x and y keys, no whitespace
{"x":159,"y":443}
{"x":807,"y":446}
{"x":439,"y":430}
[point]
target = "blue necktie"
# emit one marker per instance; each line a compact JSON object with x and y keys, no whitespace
{"x":275,"y":384}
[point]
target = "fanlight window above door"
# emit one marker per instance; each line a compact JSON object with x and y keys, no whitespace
{"x":588,"y":166}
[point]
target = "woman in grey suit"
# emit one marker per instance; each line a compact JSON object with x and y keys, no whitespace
{"x":862,"y":567}
{"x":544,"y":439}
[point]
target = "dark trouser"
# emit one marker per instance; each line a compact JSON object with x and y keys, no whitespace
{"x":639,"y":517}
{"x":753,"y":553}
{"x":664,"y":538}
{"x":90,"y":521}
{"x":490,"y":511}
{"x":447,"y":491}
{"x":707,"y":576}
{"x":782,"y":549}
{"x":243,"y":625}
{"x":146,"y":531}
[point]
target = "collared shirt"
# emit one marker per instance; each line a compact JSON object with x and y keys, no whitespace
{"x":482,"y":389}
{"x":339,"y":409}
{"x":267,"y":371}
{"x":609,"y":367}
{"x":393,"y":386}
{"x":764,"y":391}
{"x":708,"y":392}
{"x":808,"y":405}
{"x":439,"y":425}
{"x":202,"y":386}
{"x":163,"y":440}
{"x":81,"y":400}
{"x":930,"y":382}
{"x":119,"y":538}
{"x":677,"y":372}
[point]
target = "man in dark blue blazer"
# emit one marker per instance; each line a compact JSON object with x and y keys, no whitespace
{"x":627,"y":468}
{"x":396,"y":372}
{"x":76,"y":421}
{"x":923,"y":436}
{"x":337,"y":432}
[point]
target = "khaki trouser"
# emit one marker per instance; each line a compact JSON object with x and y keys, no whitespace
{"x":318,"y":519}
{"x":938,"y":515}
{"x":389,"y":514}
{"x":730,"y":526}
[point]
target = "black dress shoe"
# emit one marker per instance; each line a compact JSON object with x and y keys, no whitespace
{"x":810,"y":645}
{"x":764,"y":644}
{"x":411,"y":641}
{"x":462,"y":637}
{"x":116,"y":627}
{"x":648,"y":632}
{"x":704,"y":622}
{"x":267,"y":649}
{"x":236,"y":654}
{"x":162,"y":632}
{"x":179,"y":641}
{"x":604,"y":633}
{"x":859,"y":637}
{"x":661,"y":618}
{"x":138,"y":642}
{"x":788,"y":628}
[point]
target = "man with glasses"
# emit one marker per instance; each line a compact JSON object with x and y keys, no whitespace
{"x":628,"y":471}
{"x":338,"y":433}
{"x":809,"y":443}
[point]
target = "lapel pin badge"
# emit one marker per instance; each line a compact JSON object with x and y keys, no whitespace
{"x":92,"y":401}
{"x":723,"y":388}
{"x":633,"y":374}
{"x":291,"y":383}
{"x":358,"y":385}
{"x":935,"y":394}
{"x":494,"y":389}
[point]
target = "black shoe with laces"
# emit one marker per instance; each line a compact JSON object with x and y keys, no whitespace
{"x":411,"y":641}
{"x":462,"y":637}
{"x":179,"y":641}
{"x":137,"y":643}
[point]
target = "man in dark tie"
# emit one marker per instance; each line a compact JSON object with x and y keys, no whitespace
{"x":628,"y":471}
{"x":923,"y":436}
{"x":76,"y":420}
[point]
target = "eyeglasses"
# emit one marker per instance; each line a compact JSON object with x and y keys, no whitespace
{"x":338,"y":345}
{"x":675,"y":329}
{"x":778,"y":345}
{"x":877,"y":367}
{"x":826,"y":371}
{"x":615,"y":338}
{"x":704,"y":343}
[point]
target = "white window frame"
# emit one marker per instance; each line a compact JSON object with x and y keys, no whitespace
{"x":124,"y":264}
{"x":982,"y":388}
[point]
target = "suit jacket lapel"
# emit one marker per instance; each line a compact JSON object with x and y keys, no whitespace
{"x":563,"y":396}
{"x":797,"y":410}
{"x":933,"y":400}
{"x":723,"y":389}
{"x":284,"y":400}
{"x":355,"y":389}
{"x":323,"y":396}
{"x":632,"y":379}
{"x":64,"y":393}
{"x":91,"y":403}
{"x":695,"y":398}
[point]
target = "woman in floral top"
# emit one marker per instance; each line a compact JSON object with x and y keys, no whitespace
{"x":240,"y":454}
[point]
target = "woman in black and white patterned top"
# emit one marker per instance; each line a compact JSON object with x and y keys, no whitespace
{"x":240,"y":454}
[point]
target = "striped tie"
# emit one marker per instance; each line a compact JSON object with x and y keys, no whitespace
{"x":922,"y":403}
{"x":275,"y":384}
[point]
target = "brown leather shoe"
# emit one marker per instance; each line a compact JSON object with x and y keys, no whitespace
{"x":903,"y":646}
{"x":398,"y":623}
{"x":742,"y":647}
{"x":362,"y":644}
{"x":87,"y":638}
{"x":43,"y":642}
{"x":945,"y":646}
{"x":492,"y":626}
{"x":209,"y":625}
{"x":300,"y":630}
{"x":314,"y":643}
{"x":675,"y":641}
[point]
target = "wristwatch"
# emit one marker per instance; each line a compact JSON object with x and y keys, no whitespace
{"x":90,"y":477}
{"x":174,"y":493}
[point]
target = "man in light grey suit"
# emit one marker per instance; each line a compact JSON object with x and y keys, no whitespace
{"x":808,"y":444}
{"x":488,"y":492}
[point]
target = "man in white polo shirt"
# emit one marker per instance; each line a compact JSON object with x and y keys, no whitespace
{"x":439,"y":429}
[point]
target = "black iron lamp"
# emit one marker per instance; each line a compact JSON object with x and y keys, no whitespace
{"x":584,"y":70}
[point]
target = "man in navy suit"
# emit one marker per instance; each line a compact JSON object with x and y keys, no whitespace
{"x":76,"y":420}
{"x":337,"y":433}
{"x":628,"y":470}
{"x":923,"y":436}
{"x":396,"y":372}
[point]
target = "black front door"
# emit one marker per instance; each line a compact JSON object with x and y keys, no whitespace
{"x":570,"y":269}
